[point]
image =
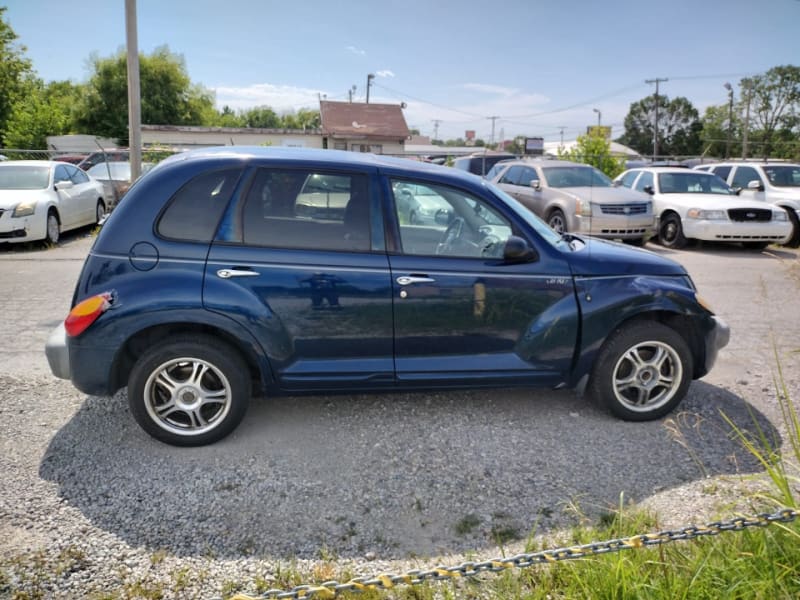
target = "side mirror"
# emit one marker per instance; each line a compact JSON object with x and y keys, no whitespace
{"x":63,"y":185}
{"x":755,"y":185}
{"x":518,"y":250}
{"x":536,"y":184}
{"x":648,"y":189}
{"x":443,"y":216}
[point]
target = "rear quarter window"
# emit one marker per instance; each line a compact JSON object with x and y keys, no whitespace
{"x":194,"y":212}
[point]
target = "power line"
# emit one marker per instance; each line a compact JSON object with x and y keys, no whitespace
{"x":655,"y":136}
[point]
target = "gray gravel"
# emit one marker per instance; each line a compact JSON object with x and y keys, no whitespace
{"x":374,"y":481}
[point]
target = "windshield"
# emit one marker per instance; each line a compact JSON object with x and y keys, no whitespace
{"x":783,"y":175}
{"x":542,"y":228}
{"x":18,"y":177}
{"x":692,"y":182}
{"x":565,"y":177}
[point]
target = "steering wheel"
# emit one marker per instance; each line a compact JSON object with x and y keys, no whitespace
{"x":450,"y":236}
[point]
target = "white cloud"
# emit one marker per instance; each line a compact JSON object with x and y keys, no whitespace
{"x":384,"y":73}
{"x":490,"y":89}
{"x":357,"y":51}
{"x":279,"y":97}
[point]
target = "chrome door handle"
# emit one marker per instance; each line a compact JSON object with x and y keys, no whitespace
{"x":409,"y":280}
{"x":228,"y":273}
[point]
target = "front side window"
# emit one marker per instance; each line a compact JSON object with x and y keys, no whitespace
{"x":437,"y":220}
{"x":77,"y":176}
{"x":194,"y":212}
{"x":512,"y":175}
{"x":60,"y":174}
{"x":721,"y":172}
{"x":743,"y":176}
{"x":310,"y":210}
{"x":645,"y":180}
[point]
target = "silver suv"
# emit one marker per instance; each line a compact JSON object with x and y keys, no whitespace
{"x":577,"y":198}
{"x":775,"y":182}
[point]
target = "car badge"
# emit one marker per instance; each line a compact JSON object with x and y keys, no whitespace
{"x":627,"y":210}
{"x":751,"y":215}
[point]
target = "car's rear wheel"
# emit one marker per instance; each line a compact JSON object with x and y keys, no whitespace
{"x":557,"y":221}
{"x":53,"y":227}
{"x":670,"y":232}
{"x":642,"y":372}
{"x":190,"y":391}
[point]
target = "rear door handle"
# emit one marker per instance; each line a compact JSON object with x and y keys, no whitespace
{"x":228,"y":273}
{"x":406,"y":280}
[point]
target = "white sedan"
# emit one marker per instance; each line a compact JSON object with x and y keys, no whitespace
{"x":694,"y":205}
{"x":39,"y":199}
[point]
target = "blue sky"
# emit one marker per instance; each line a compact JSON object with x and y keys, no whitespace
{"x":538,"y":65}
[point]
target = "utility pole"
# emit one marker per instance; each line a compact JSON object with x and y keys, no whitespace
{"x":730,"y":120}
{"x":350,"y":93}
{"x":370,"y":77}
{"x":493,"y":119}
{"x":134,"y":95}
{"x":599,"y":117}
{"x":657,"y":80}
{"x":436,"y":128}
{"x":746,"y":83}
{"x":561,"y":130}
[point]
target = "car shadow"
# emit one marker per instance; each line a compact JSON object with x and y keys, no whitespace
{"x":399,"y":475}
{"x":727,"y":249}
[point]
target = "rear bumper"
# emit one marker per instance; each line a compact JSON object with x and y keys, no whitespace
{"x":87,"y":367}
{"x":58,"y":353}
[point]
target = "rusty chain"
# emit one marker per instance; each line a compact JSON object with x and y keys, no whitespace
{"x":331,"y":589}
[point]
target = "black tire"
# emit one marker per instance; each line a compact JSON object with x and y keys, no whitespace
{"x":755,"y":245}
{"x":557,"y":221}
{"x":794,"y":241}
{"x":52,"y":228}
{"x":99,"y":211}
{"x":196,"y":368}
{"x":670,"y":232}
{"x":650,"y":386}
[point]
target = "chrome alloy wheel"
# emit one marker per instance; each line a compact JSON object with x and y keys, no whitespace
{"x":187,"y":396}
{"x":647,"y":376}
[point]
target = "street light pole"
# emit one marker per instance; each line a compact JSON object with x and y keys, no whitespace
{"x":599,"y":116}
{"x":730,"y":119}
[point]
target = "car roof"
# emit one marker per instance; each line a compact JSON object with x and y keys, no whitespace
{"x":670,"y":170}
{"x":35,"y":163}
{"x":544,"y":162}
{"x":335,"y":158}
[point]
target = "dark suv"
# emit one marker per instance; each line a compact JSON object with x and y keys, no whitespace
{"x":232,"y":272}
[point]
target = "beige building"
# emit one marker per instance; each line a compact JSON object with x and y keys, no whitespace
{"x":186,"y":137}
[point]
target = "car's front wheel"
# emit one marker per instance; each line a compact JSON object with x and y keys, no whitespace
{"x":642,"y":372}
{"x":557,"y":221}
{"x":189,"y":391}
{"x":794,"y":241}
{"x":670,"y":233}
{"x":53,"y":227}
{"x":100,"y":212}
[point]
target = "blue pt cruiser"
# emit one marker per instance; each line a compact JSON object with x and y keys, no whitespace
{"x":231,"y":272}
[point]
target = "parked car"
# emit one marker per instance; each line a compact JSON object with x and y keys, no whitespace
{"x":695,"y":205}
{"x":39,"y":199}
{"x":578,"y":198}
{"x":480,"y":163}
{"x":115,"y":177}
{"x":777,"y":183}
{"x":210,"y":283}
{"x":420,"y":205}
{"x":101,"y":156}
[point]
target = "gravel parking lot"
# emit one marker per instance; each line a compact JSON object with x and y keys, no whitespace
{"x":97,"y":505}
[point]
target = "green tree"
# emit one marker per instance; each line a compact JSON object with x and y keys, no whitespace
{"x":168,"y":97}
{"x":774,"y":104}
{"x":14,"y":70}
{"x":42,"y":110}
{"x":679,"y":127}
{"x":595,"y":149}
{"x":261,"y":117}
{"x":715,"y":131}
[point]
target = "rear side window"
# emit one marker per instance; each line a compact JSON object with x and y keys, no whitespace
{"x":306,"y":209}
{"x":194,"y":211}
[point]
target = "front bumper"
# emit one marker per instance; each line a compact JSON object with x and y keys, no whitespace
{"x":717,"y":338}
{"x":616,"y":226}
{"x":58,"y":353}
{"x":731,"y":231}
